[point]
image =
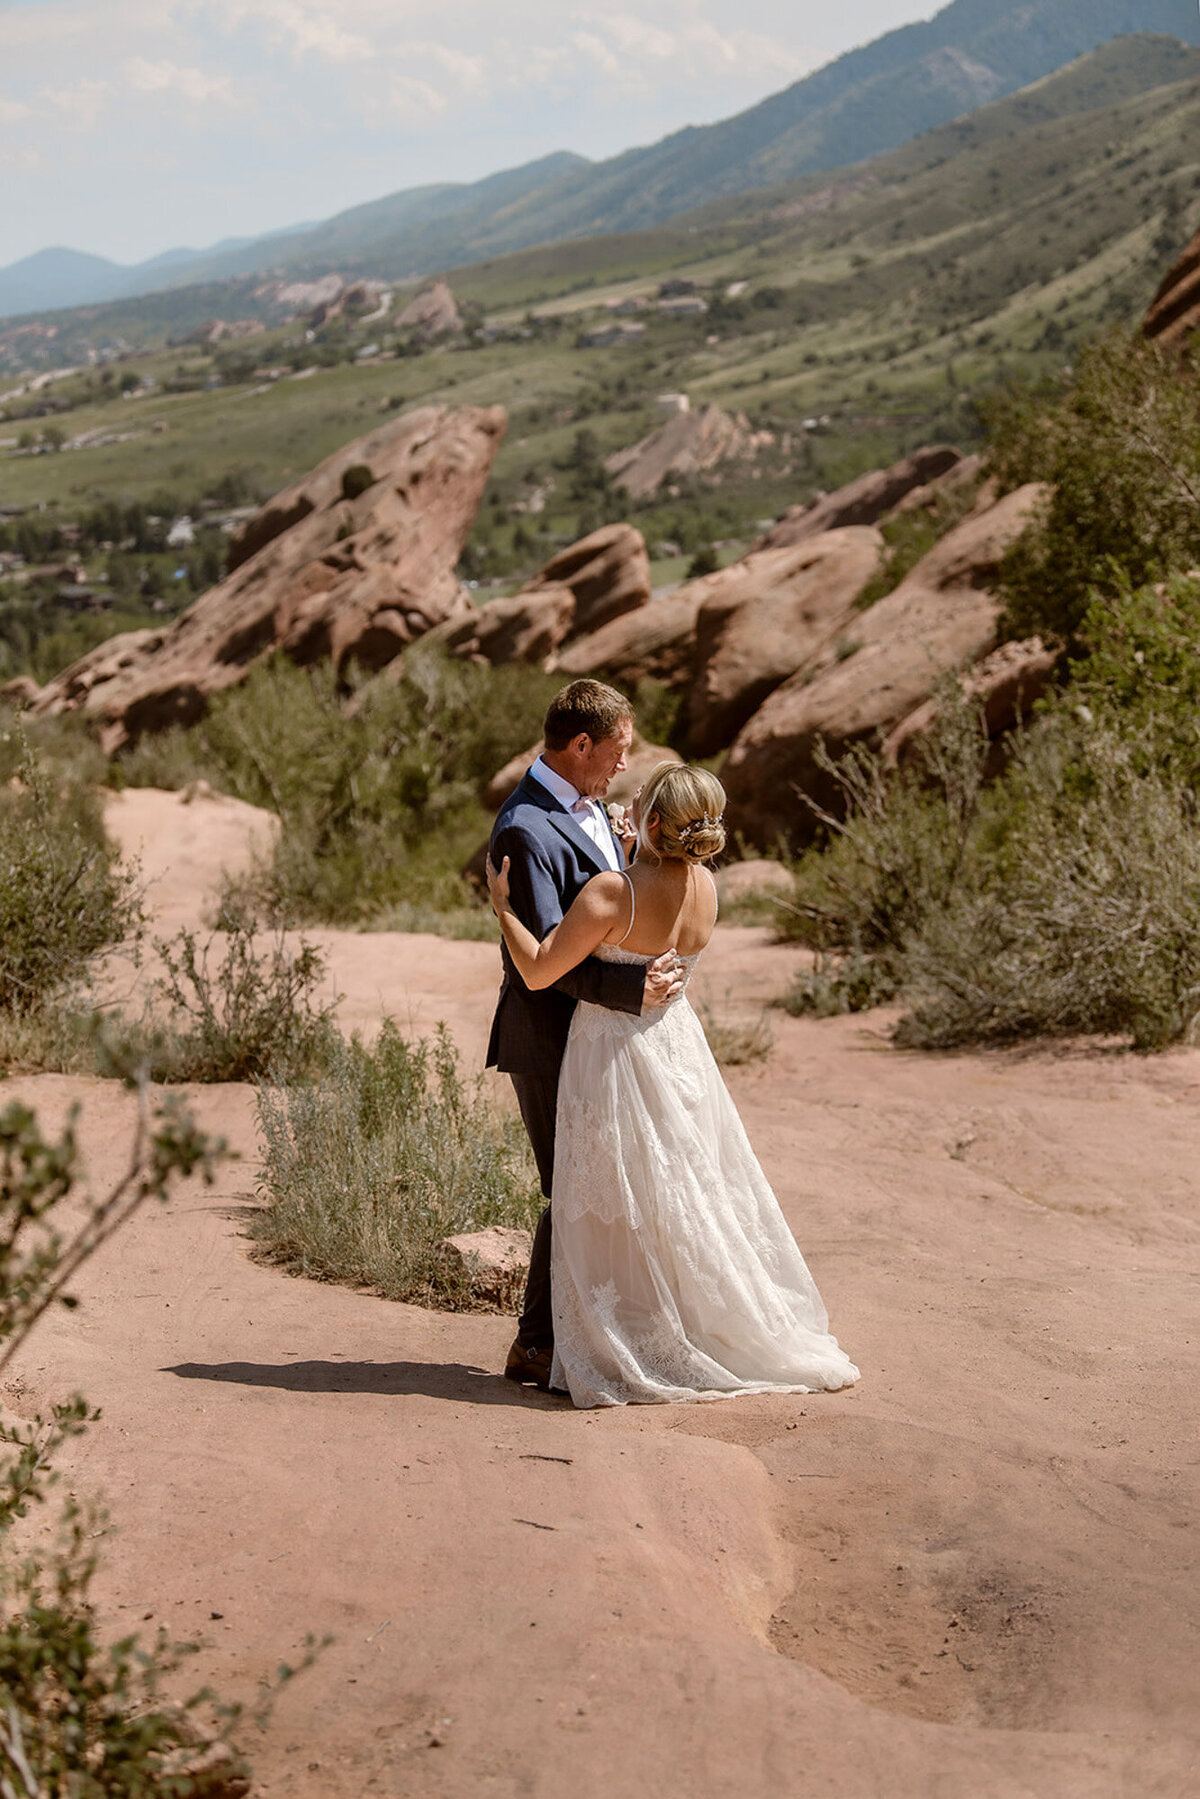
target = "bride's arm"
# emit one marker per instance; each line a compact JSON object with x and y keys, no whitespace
{"x":596,"y":910}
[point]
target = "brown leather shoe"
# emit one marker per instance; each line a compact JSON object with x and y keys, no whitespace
{"x":529,"y":1367}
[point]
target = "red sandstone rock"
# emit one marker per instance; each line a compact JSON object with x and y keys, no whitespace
{"x":940,"y":617}
{"x":864,"y":501}
{"x":1007,"y":683}
{"x":608,"y":572}
{"x":761,"y":618}
{"x":653,"y":643}
{"x":354,"y":580}
{"x":528,"y":627}
{"x":1175,"y":310}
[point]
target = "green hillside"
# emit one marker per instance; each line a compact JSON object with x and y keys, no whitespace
{"x":877,"y":306}
{"x":867,"y":102}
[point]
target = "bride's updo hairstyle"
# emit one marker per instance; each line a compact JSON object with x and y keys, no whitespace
{"x":687,"y":804}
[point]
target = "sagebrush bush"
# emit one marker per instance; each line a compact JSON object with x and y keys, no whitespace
{"x":63,"y":896}
{"x":1061,"y":898}
{"x":734,"y":1040}
{"x":1090,"y":923}
{"x":900,"y":850}
{"x":393,"y":1149}
{"x":378,"y":798}
{"x":238,"y":1008}
{"x":1119,"y":441}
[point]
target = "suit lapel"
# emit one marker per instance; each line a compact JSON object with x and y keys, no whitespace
{"x":575,"y":834}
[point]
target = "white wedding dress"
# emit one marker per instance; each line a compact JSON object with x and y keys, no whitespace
{"x":674,"y":1275}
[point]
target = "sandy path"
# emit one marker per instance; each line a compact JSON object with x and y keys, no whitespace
{"x":970,"y":1575}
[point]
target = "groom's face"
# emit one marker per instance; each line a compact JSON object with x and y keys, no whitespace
{"x":602,"y":762}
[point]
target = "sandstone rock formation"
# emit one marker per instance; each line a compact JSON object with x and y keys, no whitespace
{"x":761,"y":618}
{"x":432,"y":313}
{"x":602,"y":577}
{"x":1007,"y":684}
{"x":315,"y":574}
{"x":690,"y":443}
{"x":527,"y":627}
{"x":608,"y":572}
{"x":1175,"y":309}
{"x":491,"y":1264}
{"x":864,"y":501}
{"x":654,"y":643}
{"x":940,"y":617}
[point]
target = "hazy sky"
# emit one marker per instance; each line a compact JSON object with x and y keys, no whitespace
{"x":131,"y":126}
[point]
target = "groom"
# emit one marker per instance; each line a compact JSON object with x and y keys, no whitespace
{"x":556,"y":834}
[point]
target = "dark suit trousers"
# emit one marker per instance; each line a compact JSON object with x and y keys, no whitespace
{"x":537,"y":1096}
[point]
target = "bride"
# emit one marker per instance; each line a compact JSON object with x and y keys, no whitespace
{"x":674,"y":1275}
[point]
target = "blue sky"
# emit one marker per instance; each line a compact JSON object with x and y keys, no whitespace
{"x":131,"y":126}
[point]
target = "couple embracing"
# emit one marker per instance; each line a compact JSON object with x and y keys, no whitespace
{"x":663,"y":1270}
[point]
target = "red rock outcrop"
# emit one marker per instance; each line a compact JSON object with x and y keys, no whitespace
{"x":655,"y":642}
{"x":689,"y":443}
{"x":1175,"y":309}
{"x":322,"y":575}
{"x":940,"y":617}
{"x":764,"y":616}
{"x":527,"y":627}
{"x":864,"y":501}
{"x":432,"y":313}
{"x":1007,"y":685}
{"x":608,"y":572}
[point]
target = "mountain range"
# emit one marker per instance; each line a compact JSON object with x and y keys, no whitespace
{"x":870,"y":100}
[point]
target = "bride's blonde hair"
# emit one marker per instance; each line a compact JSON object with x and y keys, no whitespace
{"x":689,"y":803}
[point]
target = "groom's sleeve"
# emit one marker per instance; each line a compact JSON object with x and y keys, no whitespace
{"x":538,"y":904}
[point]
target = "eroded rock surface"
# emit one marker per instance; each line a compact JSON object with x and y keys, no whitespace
{"x":315,"y":574}
{"x":689,"y":443}
{"x":764,"y":616}
{"x":864,"y":501}
{"x":1175,"y":310}
{"x":942,"y":616}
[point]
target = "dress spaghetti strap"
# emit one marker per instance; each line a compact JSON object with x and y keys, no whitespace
{"x":632,"y":903}
{"x":716,"y":892}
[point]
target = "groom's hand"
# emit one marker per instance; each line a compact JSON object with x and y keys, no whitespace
{"x":664,"y":979}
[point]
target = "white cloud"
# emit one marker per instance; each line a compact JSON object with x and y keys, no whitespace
{"x":160,"y":77}
{"x":13,"y":111}
{"x":81,"y":103}
{"x":307,"y":28}
{"x":415,"y":102}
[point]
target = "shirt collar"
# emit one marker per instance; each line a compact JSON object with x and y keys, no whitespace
{"x":555,"y":785}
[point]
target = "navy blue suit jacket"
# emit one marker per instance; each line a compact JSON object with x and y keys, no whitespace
{"x":550,"y":860}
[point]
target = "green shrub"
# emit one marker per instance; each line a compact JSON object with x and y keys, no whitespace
{"x":1090,"y":921}
{"x":1120,"y":443}
{"x":379,"y":799}
{"x":900,"y":852}
{"x":1141,"y":671}
{"x":838,"y":984}
{"x":736,"y":1041}
{"x":245,"y":1012}
{"x":63,"y":897}
{"x":365,"y":1171}
{"x":355,"y":480}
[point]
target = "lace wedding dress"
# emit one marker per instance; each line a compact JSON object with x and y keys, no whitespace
{"x":674,"y":1274}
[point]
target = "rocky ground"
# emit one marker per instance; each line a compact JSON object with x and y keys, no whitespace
{"x":968,"y":1575}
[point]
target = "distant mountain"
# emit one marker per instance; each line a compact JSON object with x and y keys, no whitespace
{"x":57,"y":277}
{"x":871,"y":100}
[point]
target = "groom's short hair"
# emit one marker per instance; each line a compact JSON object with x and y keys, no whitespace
{"x":587,"y":707}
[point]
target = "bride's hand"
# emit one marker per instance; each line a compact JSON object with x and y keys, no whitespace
{"x":497,"y":885}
